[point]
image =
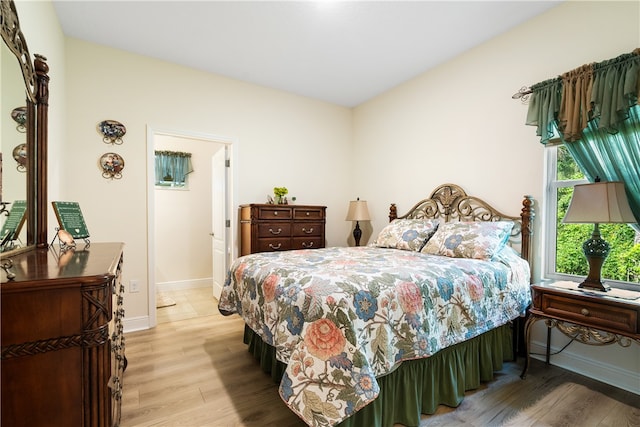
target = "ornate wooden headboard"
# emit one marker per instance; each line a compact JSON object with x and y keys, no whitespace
{"x":449,"y":202}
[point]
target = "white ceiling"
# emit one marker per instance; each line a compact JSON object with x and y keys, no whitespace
{"x":343,"y":52}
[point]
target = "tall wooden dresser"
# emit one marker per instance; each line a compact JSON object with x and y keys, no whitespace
{"x":269,"y":227}
{"x":62,"y":338}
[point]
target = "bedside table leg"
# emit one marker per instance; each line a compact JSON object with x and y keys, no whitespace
{"x":548,"y":355}
{"x":527,"y":343}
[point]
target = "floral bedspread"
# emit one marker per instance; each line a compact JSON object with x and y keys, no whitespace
{"x":340,"y":317}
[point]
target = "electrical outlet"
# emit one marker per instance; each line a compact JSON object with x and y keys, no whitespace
{"x":134,"y":286}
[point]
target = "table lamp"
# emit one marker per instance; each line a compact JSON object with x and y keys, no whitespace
{"x":358,"y":211}
{"x":599,"y":202}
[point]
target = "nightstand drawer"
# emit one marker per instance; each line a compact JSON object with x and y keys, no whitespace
{"x":591,"y":313}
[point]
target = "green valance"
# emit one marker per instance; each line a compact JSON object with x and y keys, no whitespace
{"x":544,"y":105}
{"x":172,"y":167}
{"x":604,"y":90}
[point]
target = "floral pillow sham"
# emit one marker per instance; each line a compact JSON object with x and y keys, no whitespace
{"x":478,"y":240}
{"x":406,"y":234}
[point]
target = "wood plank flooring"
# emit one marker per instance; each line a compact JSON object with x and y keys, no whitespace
{"x":197,"y":372}
{"x":189,"y":303}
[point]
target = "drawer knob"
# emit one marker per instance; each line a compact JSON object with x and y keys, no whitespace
{"x":584,"y":312}
{"x":304,"y":230}
{"x":307,"y":245}
{"x":275,"y":232}
{"x":274,"y":247}
{"x":275,"y":213}
{"x":308,"y":213}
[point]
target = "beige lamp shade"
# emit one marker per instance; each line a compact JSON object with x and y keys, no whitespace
{"x":600,"y":202}
{"x":358,"y":211}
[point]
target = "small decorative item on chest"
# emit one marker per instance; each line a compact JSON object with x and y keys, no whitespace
{"x":280,"y":195}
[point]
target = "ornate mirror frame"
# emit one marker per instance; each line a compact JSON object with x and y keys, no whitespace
{"x":36,"y":82}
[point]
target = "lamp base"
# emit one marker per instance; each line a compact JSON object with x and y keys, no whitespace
{"x":596,"y":286}
{"x":357,"y":233}
{"x":596,"y":251}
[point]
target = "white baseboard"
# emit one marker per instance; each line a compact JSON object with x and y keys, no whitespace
{"x":575,"y":361}
{"x":132,"y":324}
{"x":184,"y":284}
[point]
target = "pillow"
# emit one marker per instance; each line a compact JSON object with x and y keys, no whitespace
{"x":406,"y":234}
{"x":479,"y":240}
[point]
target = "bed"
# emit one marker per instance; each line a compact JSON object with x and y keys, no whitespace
{"x":381,"y":334}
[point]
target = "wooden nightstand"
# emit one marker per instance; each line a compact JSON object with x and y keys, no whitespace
{"x":590,"y":317}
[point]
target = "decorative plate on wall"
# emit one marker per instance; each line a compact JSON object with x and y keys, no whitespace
{"x":112,"y":131}
{"x":112,"y":165}
{"x":20,"y":154}
{"x":19,"y":115}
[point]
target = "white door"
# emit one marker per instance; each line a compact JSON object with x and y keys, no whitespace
{"x":219,"y":219}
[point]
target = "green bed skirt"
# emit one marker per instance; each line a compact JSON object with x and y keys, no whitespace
{"x":417,"y":386}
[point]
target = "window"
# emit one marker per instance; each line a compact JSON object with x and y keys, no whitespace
{"x":172,"y":169}
{"x":565,"y":259}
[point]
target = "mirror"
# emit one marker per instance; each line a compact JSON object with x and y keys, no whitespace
{"x":12,"y":138}
{"x":24,"y":84}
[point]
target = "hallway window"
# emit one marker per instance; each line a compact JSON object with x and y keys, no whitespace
{"x":172,"y":169}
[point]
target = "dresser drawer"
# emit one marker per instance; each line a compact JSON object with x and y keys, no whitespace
{"x":307,"y":243}
{"x":308,"y":213}
{"x":311,"y":229}
{"x":274,"y":212}
{"x":274,"y":229}
{"x":275,"y":244}
{"x":591,"y":313}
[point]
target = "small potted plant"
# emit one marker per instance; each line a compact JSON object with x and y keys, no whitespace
{"x":280,"y":193}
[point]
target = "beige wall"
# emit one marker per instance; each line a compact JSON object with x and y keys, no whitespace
{"x":455,"y":123}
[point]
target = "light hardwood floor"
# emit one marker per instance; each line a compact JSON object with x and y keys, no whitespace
{"x":197,"y":372}
{"x":190,"y":303}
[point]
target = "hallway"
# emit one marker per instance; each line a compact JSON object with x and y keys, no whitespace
{"x":189,"y":303}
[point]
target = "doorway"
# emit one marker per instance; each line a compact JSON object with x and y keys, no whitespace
{"x":189,"y":229}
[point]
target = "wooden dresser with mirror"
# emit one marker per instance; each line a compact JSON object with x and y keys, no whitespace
{"x":61,"y":311}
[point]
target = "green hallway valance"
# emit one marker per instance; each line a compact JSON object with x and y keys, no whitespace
{"x":172,"y":167}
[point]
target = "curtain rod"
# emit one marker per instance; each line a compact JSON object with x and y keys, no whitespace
{"x":523,"y":93}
